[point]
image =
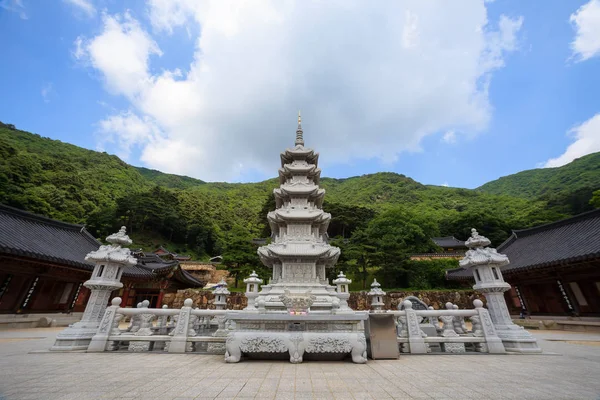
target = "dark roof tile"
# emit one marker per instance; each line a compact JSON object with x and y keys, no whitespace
{"x":29,"y":235}
{"x":448,"y":241}
{"x":568,"y":240}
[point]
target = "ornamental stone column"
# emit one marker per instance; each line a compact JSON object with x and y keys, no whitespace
{"x":485,"y":264}
{"x":221,"y":293}
{"x":376,"y":296}
{"x":111,"y":260}
{"x":342,"y":285}
{"x":252,"y":283}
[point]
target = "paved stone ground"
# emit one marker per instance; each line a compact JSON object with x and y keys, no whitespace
{"x":574,"y":374}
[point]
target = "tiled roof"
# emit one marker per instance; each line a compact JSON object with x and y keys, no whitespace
{"x":448,"y":241}
{"x":566,"y":241}
{"x":29,"y":235}
{"x":150,"y":266}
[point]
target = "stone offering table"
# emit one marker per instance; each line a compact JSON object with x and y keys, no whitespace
{"x":321,"y":336}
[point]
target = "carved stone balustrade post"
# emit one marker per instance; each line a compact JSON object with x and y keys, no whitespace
{"x":134,"y":322}
{"x":376,"y":296}
{"x":161,"y":323}
{"x":180,"y":333}
{"x":113,"y":345}
{"x":162,"y":329}
{"x":415,"y":335}
{"x":493,"y":343}
{"x":144,"y":330}
{"x":459,"y":322}
{"x":433,"y":320}
{"x":100,"y":339}
{"x":448,"y":332}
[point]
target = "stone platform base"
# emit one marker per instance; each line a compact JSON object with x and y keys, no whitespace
{"x":518,"y":340}
{"x":296,"y":345}
{"x":324,"y":336}
{"x":76,"y":337}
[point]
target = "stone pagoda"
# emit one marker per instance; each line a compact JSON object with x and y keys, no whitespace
{"x":485,"y":264}
{"x":298,"y":301}
{"x":111,"y":260}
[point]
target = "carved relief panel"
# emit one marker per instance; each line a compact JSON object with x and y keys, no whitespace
{"x":294,"y":272}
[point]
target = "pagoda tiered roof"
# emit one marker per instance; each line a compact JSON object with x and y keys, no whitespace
{"x":304,"y":249}
{"x":299,"y":153}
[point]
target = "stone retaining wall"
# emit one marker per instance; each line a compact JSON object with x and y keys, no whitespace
{"x":357,"y":301}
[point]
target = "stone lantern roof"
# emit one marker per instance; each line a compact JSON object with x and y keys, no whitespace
{"x":253,"y":278}
{"x":114,"y":252}
{"x":221,"y":288}
{"x":341,"y":280}
{"x":479,"y":254}
{"x":376,"y":289}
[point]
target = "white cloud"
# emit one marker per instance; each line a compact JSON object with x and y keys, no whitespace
{"x":121,"y":53}
{"x":14,"y":6}
{"x":127,"y":129}
{"x":587,"y":140}
{"x":449,"y":137}
{"x":445,"y":184}
{"x":84,"y":6}
{"x":586,"y":22}
{"x":46,"y":91}
{"x":371,"y":80}
{"x":78,"y":52}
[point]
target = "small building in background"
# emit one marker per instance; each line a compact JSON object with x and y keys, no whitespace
{"x":451,"y":248}
{"x":167,"y":255}
{"x":554,"y":269}
{"x":42,"y":270}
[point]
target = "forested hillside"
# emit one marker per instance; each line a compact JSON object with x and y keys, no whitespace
{"x":377,"y":219}
{"x":567,"y":188}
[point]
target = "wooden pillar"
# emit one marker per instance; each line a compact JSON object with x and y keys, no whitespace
{"x":162,"y":285}
{"x":125,"y":296}
{"x":160,"y":298}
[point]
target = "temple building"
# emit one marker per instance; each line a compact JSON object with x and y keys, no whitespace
{"x":167,"y":255}
{"x":554,"y":268}
{"x":42,"y":268}
{"x":451,"y":248}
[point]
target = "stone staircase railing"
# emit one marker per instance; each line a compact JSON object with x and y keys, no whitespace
{"x":451,"y":336}
{"x":161,"y":329}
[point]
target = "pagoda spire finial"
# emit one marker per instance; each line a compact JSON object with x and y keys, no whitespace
{"x":299,"y":133}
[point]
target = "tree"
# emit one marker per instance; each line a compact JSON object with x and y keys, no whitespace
{"x":240,"y":256}
{"x":389,"y":240}
{"x":595,"y":200}
{"x":345,"y":219}
{"x":486,"y":223}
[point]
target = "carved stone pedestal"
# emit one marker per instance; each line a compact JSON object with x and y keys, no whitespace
{"x":295,"y":335}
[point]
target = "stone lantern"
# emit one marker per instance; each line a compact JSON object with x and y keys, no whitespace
{"x":485,"y":264}
{"x":376,"y":296}
{"x":252,"y":283}
{"x":221,"y":294}
{"x":343,"y":291}
{"x":110,"y":262}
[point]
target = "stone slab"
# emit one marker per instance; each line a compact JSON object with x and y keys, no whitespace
{"x":51,"y":375}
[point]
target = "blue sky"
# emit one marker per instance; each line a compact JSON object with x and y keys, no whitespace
{"x":443,"y":94}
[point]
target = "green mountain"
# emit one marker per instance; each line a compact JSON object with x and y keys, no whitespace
{"x":168,"y":180}
{"x":567,"y":188}
{"x":203,"y":219}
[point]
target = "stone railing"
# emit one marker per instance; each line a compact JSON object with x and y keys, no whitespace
{"x":161,"y":329}
{"x":419,"y":331}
